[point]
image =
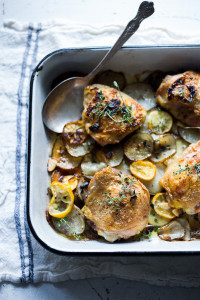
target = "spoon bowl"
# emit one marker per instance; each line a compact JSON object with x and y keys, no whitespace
{"x":68,"y":105}
{"x":65,"y":102}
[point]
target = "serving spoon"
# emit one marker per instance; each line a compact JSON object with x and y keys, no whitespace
{"x":64,"y":102}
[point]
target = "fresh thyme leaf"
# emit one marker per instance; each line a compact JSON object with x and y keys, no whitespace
{"x":189,"y":169}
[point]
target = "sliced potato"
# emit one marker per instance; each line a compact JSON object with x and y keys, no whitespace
{"x":74,"y":133}
{"x":184,"y":222}
{"x":175,"y":128}
{"x":159,"y":121}
{"x":108,"y":77}
{"x":142,"y":93}
{"x":154,"y":186}
{"x":51,"y":165}
{"x":56,"y":175}
{"x":89,"y":168}
{"x":156,"y":220}
{"x":144,"y":170}
{"x":190,"y":134}
{"x":111,"y":155}
{"x":164,"y":147}
{"x":64,"y":160}
{"x":81,"y":150}
{"x":172,"y":231}
{"x":161,"y":206}
{"x":181,"y":145}
{"x":72,"y":225}
{"x":124,"y":167}
{"x":144,"y":127}
{"x":78,"y":142}
{"x":139,"y":146}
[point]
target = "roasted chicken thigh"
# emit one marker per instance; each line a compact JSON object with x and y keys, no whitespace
{"x":117,"y":204}
{"x":180,"y":94}
{"x":182,"y":180}
{"x":110,"y":115}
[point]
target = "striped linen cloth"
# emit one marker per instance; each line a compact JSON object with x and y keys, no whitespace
{"x":22,"y":259}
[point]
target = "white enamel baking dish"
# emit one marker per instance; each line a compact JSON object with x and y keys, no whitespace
{"x":131,"y":61}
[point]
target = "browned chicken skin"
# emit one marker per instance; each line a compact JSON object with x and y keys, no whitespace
{"x":180,"y":95}
{"x":108,"y":115}
{"x":117,"y":204}
{"x":182,"y":180}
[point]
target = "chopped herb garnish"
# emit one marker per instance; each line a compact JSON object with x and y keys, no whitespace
{"x":115,"y":203}
{"x":112,"y":108}
{"x":189,"y":169}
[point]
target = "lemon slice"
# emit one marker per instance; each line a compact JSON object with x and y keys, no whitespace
{"x":156,"y":220}
{"x":62,"y":201}
{"x":144,"y":170}
{"x":159,"y":121}
{"x":71,"y":181}
{"x":162,"y":207}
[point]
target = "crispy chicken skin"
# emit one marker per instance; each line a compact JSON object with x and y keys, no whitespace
{"x":110,"y":115}
{"x":180,"y":94}
{"x":117,"y":204}
{"x":182,"y":180}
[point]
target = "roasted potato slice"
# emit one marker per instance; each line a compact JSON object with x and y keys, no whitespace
{"x":178,"y":229}
{"x":124,"y":167}
{"x":73,"y":224}
{"x":142,"y":93}
{"x":159,"y":121}
{"x":154,"y":186}
{"x":56,"y":175}
{"x":181,"y":145}
{"x":190,"y":134}
{"x":64,"y":160}
{"x":81,"y":150}
{"x":89,"y":167}
{"x":78,"y":142}
{"x":139,"y":146}
{"x":164,"y":147}
{"x":51,"y":165}
{"x":172,"y":231}
{"x":74,"y":133}
{"x":111,"y":155}
{"x":108,"y":77}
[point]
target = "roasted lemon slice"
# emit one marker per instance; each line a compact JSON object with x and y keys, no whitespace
{"x":159,"y":121}
{"x":156,"y":220}
{"x":62,"y":201}
{"x":144,"y":170}
{"x":71,"y":181}
{"x":162,"y":207}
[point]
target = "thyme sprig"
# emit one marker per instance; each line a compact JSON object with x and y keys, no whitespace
{"x":189,"y":169}
{"x":109,"y":109}
{"x":115,"y":203}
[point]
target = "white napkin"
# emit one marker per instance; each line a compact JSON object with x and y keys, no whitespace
{"x":22,"y":259}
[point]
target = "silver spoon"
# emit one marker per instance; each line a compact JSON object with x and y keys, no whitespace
{"x":63,"y":103}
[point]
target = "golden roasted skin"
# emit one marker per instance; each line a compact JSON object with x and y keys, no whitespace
{"x":180,"y":94}
{"x":117,"y":204}
{"x":110,"y":115}
{"x":182,"y":180}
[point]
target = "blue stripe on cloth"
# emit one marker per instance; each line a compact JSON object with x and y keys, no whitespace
{"x":18,"y":155}
{"x":27,"y":231}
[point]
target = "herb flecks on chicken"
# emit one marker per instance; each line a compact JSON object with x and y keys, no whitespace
{"x":110,"y":115}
